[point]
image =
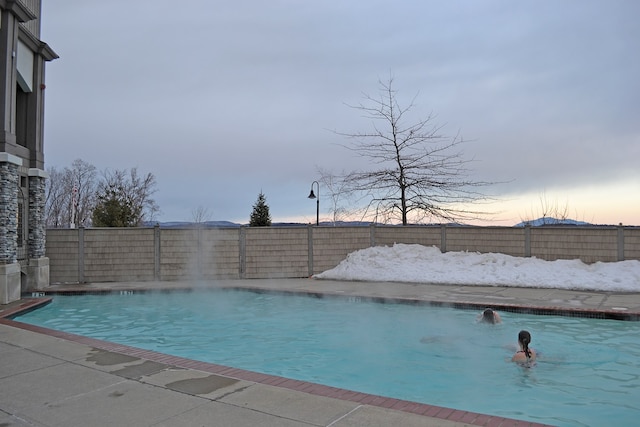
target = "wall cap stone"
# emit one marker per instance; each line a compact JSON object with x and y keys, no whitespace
{"x":38,"y":172}
{"x":10,"y":158}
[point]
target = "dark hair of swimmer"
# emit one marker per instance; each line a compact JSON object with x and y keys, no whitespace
{"x":488,"y":316}
{"x":524,"y":338}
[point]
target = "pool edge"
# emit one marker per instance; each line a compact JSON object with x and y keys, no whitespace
{"x":417,"y":408}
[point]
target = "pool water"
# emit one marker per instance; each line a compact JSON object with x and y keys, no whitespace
{"x":588,"y":371}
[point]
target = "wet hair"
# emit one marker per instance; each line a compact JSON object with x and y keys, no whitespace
{"x":488,"y":316}
{"x":524,"y":338}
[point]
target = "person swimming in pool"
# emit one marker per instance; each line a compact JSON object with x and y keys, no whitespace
{"x":525,"y":354}
{"x":489,"y":316}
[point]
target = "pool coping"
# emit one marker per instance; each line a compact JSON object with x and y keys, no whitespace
{"x":543,"y":310}
{"x":432,"y":411}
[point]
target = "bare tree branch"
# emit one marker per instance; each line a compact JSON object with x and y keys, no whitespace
{"x":200,"y":215}
{"x":419,"y":173}
{"x":338,"y":193}
{"x":70,"y":195}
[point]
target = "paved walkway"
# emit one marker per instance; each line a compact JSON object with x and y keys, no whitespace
{"x":50,"y":378}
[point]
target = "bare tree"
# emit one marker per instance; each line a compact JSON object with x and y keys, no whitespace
{"x":200,"y":215}
{"x":551,"y":212}
{"x":70,"y":195}
{"x":419,"y":173}
{"x":338,"y":194}
{"x":83,"y":189}
{"x":57,"y":199}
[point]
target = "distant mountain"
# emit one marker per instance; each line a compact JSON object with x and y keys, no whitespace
{"x":544,"y":221}
{"x":181,"y":224}
{"x":550,"y":221}
{"x":229,"y":224}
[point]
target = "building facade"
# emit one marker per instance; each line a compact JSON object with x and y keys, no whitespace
{"x":23,"y":264}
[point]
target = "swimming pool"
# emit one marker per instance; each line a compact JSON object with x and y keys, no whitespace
{"x":588,"y":373}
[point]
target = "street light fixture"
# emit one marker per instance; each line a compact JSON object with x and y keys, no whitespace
{"x":313,"y":196}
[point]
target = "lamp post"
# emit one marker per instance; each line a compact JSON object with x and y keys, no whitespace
{"x":313,"y":196}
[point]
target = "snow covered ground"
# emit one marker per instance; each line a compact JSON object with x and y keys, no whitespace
{"x":421,"y":264}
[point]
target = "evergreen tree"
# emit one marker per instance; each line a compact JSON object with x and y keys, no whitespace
{"x":124,"y":199}
{"x":115,"y":209}
{"x":260,"y":216}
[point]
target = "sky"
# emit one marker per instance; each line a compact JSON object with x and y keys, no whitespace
{"x":422,"y":264}
{"x":221,"y":101}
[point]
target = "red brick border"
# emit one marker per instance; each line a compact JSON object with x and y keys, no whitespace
{"x":256,"y":377}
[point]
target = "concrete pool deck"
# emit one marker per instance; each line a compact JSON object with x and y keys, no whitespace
{"x":51,"y":378}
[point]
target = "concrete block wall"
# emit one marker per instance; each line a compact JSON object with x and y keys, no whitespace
{"x":330,"y":245}
{"x":62,"y":251}
{"x":510,"y":241}
{"x":143,"y":254}
{"x":631,"y":246}
{"x":118,"y":254}
{"x":585,"y":243}
{"x":198,"y":254}
{"x":410,"y":235}
{"x":179,"y":254}
{"x":276,"y":252}
{"x":220,"y":253}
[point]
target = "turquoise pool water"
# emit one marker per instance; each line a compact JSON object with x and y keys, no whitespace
{"x":588,"y":372}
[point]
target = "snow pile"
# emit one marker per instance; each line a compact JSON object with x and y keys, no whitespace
{"x":421,"y":264}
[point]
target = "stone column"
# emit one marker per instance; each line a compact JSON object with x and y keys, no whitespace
{"x":38,"y":265}
{"x":9,"y":266}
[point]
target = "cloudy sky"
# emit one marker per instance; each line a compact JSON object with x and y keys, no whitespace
{"x":223,"y":100}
